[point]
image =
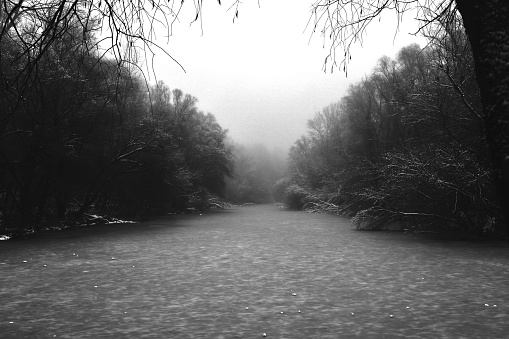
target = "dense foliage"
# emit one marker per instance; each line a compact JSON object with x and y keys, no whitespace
{"x":83,"y":134}
{"x":405,"y":148}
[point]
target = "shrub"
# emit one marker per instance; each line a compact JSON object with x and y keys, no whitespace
{"x":295,"y":197}
{"x":280,"y":188}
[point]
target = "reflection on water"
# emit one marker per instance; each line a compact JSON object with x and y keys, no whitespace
{"x":248,"y":271}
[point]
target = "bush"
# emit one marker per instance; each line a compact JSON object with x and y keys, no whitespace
{"x":295,"y":197}
{"x":280,"y":188}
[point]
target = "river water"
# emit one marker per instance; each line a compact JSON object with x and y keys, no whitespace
{"x":249,"y":271}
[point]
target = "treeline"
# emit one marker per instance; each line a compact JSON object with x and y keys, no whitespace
{"x":255,"y":171}
{"x":404,"y":148}
{"x":80,"y":133}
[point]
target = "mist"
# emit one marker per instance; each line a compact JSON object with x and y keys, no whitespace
{"x":256,"y":169}
{"x":263,"y":76}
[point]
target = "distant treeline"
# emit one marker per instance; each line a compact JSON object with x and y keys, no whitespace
{"x":80,"y":133}
{"x":404,"y":148}
{"x":255,"y":171}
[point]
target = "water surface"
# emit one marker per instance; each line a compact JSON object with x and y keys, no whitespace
{"x":246,"y":271}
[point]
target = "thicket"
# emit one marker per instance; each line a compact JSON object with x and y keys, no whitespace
{"x":404,"y":148}
{"x":80,"y":133}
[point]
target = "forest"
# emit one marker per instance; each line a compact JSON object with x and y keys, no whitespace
{"x":404,"y":149}
{"x":86,"y":139}
{"x":82,"y":132}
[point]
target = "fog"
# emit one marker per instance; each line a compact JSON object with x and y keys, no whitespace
{"x":262,"y":76}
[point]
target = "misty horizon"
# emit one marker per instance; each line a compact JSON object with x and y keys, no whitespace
{"x":261,"y":79}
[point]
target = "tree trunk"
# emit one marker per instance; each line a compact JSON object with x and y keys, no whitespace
{"x":487,"y":27}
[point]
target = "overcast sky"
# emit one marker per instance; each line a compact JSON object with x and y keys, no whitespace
{"x":261,"y":76}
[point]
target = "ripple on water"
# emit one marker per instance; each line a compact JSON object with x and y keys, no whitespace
{"x":232,"y":274}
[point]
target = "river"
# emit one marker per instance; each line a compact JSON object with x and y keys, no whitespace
{"x":250,"y":272}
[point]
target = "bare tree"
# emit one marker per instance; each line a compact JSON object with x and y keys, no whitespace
{"x":129,"y":29}
{"x":125,"y":31}
{"x":343,"y":23}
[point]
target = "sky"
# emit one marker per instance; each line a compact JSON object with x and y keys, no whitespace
{"x":262,"y":76}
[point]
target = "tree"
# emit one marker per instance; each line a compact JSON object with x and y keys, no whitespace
{"x":129,"y":27}
{"x":194,"y":145}
{"x":403,"y":148}
{"x":487,"y":27}
{"x":79,"y":131}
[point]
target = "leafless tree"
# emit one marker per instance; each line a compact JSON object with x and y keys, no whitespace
{"x":126,"y":31}
{"x":342,"y":23}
